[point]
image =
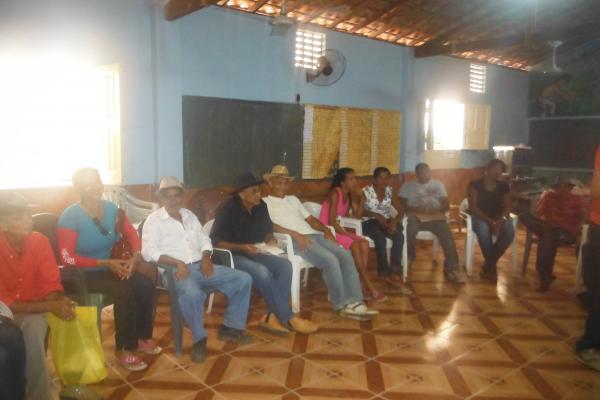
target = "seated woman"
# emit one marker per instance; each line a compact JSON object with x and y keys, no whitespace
{"x":489,"y":206}
{"x":343,"y":195}
{"x":87,"y":232}
{"x":382,"y":210}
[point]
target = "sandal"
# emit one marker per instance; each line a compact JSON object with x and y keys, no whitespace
{"x":149,"y":346}
{"x":132,"y":362}
{"x":378,"y":296}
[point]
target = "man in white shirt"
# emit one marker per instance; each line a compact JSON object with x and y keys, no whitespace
{"x":315,"y":243}
{"x":426,"y":202}
{"x":172,"y":235}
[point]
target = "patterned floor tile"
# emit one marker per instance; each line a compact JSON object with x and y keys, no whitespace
{"x":447,"y":342}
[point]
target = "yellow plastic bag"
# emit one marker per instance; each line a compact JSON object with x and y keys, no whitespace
{"x":76,"y":349}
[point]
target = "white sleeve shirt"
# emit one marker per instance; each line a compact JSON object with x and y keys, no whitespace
{"x":289,"y":213}
{"x":164,"y":235}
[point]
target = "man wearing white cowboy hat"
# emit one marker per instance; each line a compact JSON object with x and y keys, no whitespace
{"x":315,"y":243}
{"x":241,"y":223}
{"x":173,"y":235}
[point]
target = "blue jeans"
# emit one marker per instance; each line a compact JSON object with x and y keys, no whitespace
{"x":12,"y":361}
{"x":492,"y":251}
{"x":192,"y":291}
{"x":272,"y":276}
{"x":338,"y":268}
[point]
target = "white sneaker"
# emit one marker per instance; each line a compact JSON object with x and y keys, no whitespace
{"x":359,"y":309}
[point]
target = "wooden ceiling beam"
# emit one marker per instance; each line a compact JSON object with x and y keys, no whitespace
{"x":396,"y":5}
{"x":591,"y":30}
{"x":358,"y":4}
{"x":258,"y":5}
{"x":389,"y":17}
{"x":178,"y":8}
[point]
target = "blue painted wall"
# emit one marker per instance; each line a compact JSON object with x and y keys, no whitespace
{"x":223,"y":53}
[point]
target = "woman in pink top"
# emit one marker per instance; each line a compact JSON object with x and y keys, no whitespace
{"x":343,"y":184}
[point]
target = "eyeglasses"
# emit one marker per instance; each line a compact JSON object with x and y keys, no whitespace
{"x":100,"y":227}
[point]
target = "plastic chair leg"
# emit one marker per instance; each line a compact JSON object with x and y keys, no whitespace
{"x":211,"y":298}
{"x":296,"y":290}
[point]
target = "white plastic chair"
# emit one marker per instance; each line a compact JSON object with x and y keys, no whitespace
{"x":421,"y":235}
{"x":135,"y":209}
{"x":298,"y":265}
{"x":207,"y":228}
{"x":579,"y":285}
{"x":472,"y":237}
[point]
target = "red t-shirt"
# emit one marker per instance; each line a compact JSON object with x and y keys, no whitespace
{"x":595,"y":206}
{"x":30,"y":275}
{"x":566,"y":213}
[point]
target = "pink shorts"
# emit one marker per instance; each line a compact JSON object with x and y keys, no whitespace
{"x":346,"y":239}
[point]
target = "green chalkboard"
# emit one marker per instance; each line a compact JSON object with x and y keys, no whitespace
{"x":223,"y":138}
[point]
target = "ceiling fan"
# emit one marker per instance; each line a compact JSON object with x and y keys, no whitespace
{"x":281,"y":23}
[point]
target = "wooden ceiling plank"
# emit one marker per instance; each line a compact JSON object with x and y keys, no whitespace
{"x":590,"y":30}
{"x":178,"y":8}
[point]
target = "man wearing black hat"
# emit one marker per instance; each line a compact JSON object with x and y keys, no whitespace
{"x":559,"y":214}
{"x":30,"y":286}
{"x":241,"y":223}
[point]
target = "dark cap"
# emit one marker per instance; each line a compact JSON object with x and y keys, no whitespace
{"x":12,"y":203}
{"x":245,"y":181}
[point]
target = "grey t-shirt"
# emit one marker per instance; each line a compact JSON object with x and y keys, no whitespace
{"x":425,"y":195}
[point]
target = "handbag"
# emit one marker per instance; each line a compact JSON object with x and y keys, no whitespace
{"x":121,"y":250}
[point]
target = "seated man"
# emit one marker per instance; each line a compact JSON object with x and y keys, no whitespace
{"x":12,"y":357}
{"x":241,"y":223}
{"x":425,"y":202}
{"x":30,"y":286}
{"x":315,"y":243}
{"x":559,"y":215}
{"x":172,"y":235}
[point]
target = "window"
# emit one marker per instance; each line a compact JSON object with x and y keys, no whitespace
{"x":451,"y":125}
{"x":58,"y":115}
{"x":477,"y":78}
{"x":309,"y":47}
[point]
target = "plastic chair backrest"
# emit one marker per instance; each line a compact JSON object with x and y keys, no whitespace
{"x":47,"y":224}
{"x":464,"y":205}
{"x":207,"y":227}
{"x":313,"y":208}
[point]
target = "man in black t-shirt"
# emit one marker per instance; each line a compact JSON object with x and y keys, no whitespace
{"x":489,"y":206}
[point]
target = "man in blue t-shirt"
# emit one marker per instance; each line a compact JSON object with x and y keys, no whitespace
{"x":425,"y":202}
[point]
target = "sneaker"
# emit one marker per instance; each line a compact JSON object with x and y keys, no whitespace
{"x":199,"y":351}
{"x":358,"y":309}
{"x":228,"y":334}
{"x":271,"y":324}
{"x":303,"y":325}
{"x":454,"y":277}
{"x":590,"y":358}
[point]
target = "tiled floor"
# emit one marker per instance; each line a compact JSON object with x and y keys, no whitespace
{"x":476,"y":341}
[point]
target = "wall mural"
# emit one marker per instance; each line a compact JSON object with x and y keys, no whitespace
{"x":573,"y":91}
